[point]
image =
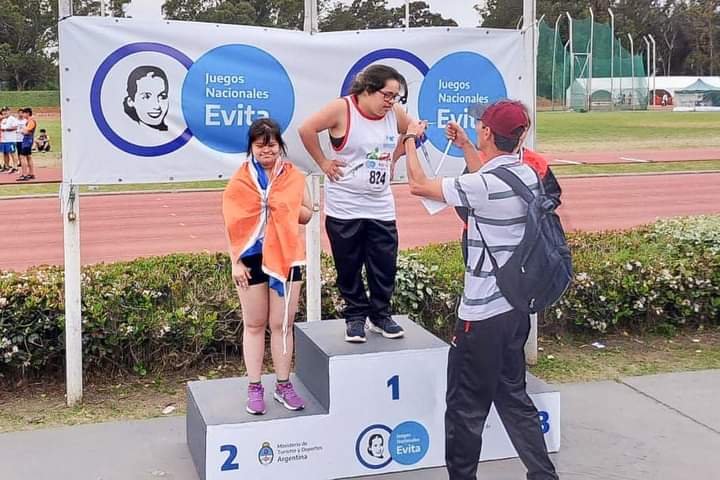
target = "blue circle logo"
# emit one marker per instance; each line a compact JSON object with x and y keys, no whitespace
{"x":228,"y":88}
{"x":385,"y":53}
{"x":154,"y":116}
{"x":453,"y":84}
{"x":409,"y":443}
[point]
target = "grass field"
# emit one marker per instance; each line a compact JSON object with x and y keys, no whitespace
{"x":604,"y":131}
{"x":50,"y":98}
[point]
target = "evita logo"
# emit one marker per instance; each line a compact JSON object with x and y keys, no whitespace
{"x":266,"y":454}
{"x":378,"y":445}
{"x":149,"y":99}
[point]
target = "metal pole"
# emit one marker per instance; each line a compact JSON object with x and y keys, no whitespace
{"x":552,"y":86}
{"x":621,"y":69}
{"x":590,"y":58}
{"x":648,"y":51}
{"x":407,"y":13}
{"x":612,"y":58}
{"x":70,"y":210}
{"x":312,"y":229}
{"x":654,"y":57}
{"x":632,"y":70}
{"x":572,"y":57}
{"x":102,"y":8}
{"x":565,"y":50}
{"x":529,"y":16}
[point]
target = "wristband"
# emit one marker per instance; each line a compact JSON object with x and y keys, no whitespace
{"x":408,"y":136}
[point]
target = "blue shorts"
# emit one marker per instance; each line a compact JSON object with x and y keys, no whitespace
{"x":7,"y":147}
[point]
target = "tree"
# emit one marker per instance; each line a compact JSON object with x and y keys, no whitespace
{"x":364,"y":14}
{"x":268,"y":13}
{"x":26,"y":30}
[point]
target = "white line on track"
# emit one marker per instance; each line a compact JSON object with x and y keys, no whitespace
{"x":571,"y":162}
{"x":638,"y":160}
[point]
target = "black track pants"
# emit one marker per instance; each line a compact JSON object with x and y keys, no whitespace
{"x":486,"y":364}
{"x":369,"y":243}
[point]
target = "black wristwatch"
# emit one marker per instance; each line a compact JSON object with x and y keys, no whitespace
{"x":409,"y":135}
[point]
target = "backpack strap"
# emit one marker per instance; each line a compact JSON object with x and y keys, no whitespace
{"x":518,"y":186}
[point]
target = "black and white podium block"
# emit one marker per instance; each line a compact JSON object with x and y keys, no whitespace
{"x":371,"y":408}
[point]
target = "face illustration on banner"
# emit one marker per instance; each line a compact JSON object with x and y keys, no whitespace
{"x":376,"y":446}
{"x":147,"y":97}
{"x":371,"y":447}
{"x":135,"y":99}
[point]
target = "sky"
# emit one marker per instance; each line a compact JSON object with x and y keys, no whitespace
{"x":459,"y":10}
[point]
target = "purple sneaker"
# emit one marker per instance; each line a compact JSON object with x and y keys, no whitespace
{"x":286,"y":394}
{"x":256,"y":400}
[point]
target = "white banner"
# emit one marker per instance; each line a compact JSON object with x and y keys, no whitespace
{"x":157,"y":101}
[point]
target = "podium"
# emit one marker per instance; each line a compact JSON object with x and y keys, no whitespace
{"x":370,"y":408}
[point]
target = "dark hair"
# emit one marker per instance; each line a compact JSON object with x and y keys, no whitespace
{"x":131,"y":89}
{"x":4,"y":109}
{"x":27,"y":110}
{"x":373,"y":437}
{"x":508,"y":144}
{"x":43,"y":130}
{"x":373,"y":79}
{"x":267,"y":130}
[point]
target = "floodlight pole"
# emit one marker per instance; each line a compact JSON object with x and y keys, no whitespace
{"x":572,"y":55}
{"x":619,"y":40}
{"x":612,"y":58}
{"x":632,"y":70}
{"x":565,"y":51}
{"x":590,"y":60}
{"x":407,"y":14}
{"x":552,"y":85}
{"x":312,"y":229}
{"x":654,"y":59}
{"x":648,"y":51}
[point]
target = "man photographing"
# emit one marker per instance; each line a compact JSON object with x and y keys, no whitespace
{"x":486,"y":362}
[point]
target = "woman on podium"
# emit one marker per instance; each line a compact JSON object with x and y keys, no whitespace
{"x":264,"y":205}
{"x":364,"y":127}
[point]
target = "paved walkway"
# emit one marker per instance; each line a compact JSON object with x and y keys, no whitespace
{"x":661,"y":427}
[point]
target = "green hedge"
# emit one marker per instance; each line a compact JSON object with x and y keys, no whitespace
{"x":181,"y":310}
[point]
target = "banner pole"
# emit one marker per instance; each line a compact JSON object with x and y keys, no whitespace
{"x":529,"y":16}
{"x":312,"y":229}
{"x":70,"y":210}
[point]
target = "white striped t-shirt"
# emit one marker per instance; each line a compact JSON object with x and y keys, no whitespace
{"x":500,"y":214}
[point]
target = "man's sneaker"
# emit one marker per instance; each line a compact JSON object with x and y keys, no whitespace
{"x":256,"y":399}
{"x":387,"y":328}
{"x":285,"y":393}
{"x":355,"y":331}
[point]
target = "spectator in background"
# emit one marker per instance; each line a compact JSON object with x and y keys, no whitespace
{"x":42,"y":142}
{"x":28,"y":138}
{"x":21,"y":122}
{"x":8,"y":129}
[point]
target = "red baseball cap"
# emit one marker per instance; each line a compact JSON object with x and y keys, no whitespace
{"x":505,"y":117}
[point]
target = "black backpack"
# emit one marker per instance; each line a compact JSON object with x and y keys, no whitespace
{"x":540,"y":269}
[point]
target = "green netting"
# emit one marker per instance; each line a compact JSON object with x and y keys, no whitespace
{"x":566,"y":80}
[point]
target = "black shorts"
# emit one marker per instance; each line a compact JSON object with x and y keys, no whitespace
{"x":25,"y":151}
{"x":257,"y":276}
{"x":18,"y":147}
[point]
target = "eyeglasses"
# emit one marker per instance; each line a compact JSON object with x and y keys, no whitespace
{"x":390,"y":96}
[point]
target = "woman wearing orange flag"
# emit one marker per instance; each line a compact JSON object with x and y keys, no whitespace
{"x":264,"y":205}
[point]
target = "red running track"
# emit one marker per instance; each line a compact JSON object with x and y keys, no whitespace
{"x":54,"y":175}
{"x":116,"y":227}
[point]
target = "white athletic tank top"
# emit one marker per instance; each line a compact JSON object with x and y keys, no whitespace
{"x":364,"y":190}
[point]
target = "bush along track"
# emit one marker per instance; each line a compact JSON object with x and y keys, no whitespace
{"x":168,"y":313}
